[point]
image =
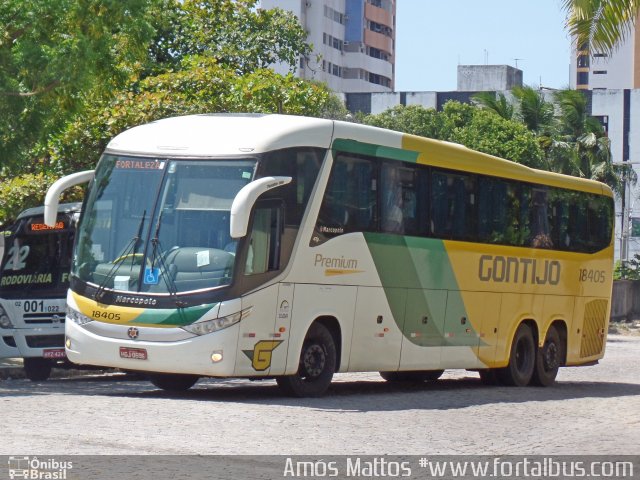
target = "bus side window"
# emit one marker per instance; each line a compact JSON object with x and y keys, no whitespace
{"x":263,"y":254}
{"x":350,"y":201}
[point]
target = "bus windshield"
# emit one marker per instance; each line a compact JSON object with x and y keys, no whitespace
{"x":160,"y":226}
{"x":36,"y":258}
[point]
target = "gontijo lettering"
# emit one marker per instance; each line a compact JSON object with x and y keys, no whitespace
{"x":518,"y":270}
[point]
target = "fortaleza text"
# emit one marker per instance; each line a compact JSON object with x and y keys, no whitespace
{"x":354,"y":467}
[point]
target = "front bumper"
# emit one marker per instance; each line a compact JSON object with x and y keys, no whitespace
{"x":187,"y":356}
{"x":30,"y":342}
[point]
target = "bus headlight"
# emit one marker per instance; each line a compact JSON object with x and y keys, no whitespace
{"x":5,"y":322}
{"x":210,"y":326}
{"x":77,"y":317}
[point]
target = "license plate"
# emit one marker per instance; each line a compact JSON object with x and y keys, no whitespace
{"x":134,"y":353}
{"x":54,"y":353}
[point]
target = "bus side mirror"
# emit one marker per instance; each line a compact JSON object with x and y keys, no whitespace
{"x":246,"y":198}
{"x":52,"y":198}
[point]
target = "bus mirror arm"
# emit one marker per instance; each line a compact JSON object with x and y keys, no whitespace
{"x":52,"y":199}
{"x":246,"y":198}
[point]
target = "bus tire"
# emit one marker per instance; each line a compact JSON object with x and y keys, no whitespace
{"x":522,"y":359}
{"x":412,"y":376}
{"x":548,"y":359}
{"x":173,"y":382}
{"x":37,"y":369}
{"x":318,"y":360}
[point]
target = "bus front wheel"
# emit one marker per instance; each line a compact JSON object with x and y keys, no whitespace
{"x":522,"y":359}
{"x":317,"y":365}
{"x":37,"y":369}
{"x":548,"y":359}
{"x":173,"y":382}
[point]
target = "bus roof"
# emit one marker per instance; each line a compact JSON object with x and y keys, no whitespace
{"x":213,"y":135}
{"x":62,"y":208}
{"x":223,"y":134}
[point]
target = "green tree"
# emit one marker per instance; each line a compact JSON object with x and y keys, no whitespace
{"x":496,"y":103}
{"x":54,"y":55}
{"x":601,"y":24}
{"x":233,"y":32}
{"x":473,"y":127}
{"x":582,"y":147}
{"x":204,"y":87}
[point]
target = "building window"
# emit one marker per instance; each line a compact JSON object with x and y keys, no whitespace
{"x":600,"y":55}
{"x":604,"y":121}
{"x":334,"y":15}
{"x":583,"y":78}
{"x":333,"y":42}
{"x":379,"y":28}
{"x":599,"y":72}
{"x":583,"y":61}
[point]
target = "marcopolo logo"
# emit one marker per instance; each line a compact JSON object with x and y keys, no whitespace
{"x":33,"y":468}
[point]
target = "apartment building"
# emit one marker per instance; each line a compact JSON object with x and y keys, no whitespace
{"x":594,"y":70}
{"x":353,"y":42}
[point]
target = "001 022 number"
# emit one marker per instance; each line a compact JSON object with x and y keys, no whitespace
{"x":593,"y":276}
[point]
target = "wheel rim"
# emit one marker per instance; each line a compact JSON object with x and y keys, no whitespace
{"x":551,"y":356}
{"x":314,"y":360}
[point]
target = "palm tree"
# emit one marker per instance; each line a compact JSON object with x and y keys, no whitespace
{"x":534,"y":111}
{"x":582,"y":147}
{"x":601,"y":24}
{"x":496,"y":103}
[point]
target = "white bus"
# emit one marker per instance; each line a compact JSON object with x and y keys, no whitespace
{"x":34,"y":278}
{"x":292,"y":248}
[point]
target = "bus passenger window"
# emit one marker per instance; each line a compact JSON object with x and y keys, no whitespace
{"x":349,"y":203}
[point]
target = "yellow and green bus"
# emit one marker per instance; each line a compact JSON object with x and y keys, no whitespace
{"x":293,"y":248}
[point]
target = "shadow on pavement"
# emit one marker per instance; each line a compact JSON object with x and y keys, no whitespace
{"x":344,"y":395}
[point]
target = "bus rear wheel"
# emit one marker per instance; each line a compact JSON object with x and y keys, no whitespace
{"x":412,"y":376}
{"x":317,"y":365}
{"x":173,"y":382}
{"x":37,"y":369}
{"x":522,"y":359}
{"x":548,"y":359}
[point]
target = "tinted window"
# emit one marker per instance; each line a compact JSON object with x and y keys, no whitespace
{"x":350,"y":202}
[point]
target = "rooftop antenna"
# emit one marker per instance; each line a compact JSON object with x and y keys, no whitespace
{"x":516,"y":60}
{"x":486,"y":56}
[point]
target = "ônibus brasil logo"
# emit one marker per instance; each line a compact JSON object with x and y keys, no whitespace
{"x":33,"y":468}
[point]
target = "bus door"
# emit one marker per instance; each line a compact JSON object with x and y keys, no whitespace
{"x":260,"y":346}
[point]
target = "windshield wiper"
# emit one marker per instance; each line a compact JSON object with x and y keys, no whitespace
{"x":130,"y":249}
{"x":164,"y":268}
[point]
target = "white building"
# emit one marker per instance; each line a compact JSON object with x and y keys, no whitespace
{"x":595,"y":70}
{"x":353,"y":42}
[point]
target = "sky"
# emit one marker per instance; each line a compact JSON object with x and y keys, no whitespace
{"x":434,"y":36}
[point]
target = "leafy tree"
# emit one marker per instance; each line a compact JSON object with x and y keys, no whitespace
{"x":583,"y":148}
{"x":629,"y":270}
{"x":205,"y":87}
{"x":496,"y":103}
{"x":233,"y":32}
{"x":533,"y":110}
{"x":54,"y":55}
{"x":601,"y":24}
{"x":473,"y":127}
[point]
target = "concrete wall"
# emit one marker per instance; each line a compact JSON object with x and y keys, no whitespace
{"x":625,"y":305}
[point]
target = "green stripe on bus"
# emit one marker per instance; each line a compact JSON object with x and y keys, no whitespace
{"x":420,"y":285}
{"x":172,"y":317}
{"x":370,"y":149}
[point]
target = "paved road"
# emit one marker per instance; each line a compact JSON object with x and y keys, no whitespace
{"x":592,"y":410}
